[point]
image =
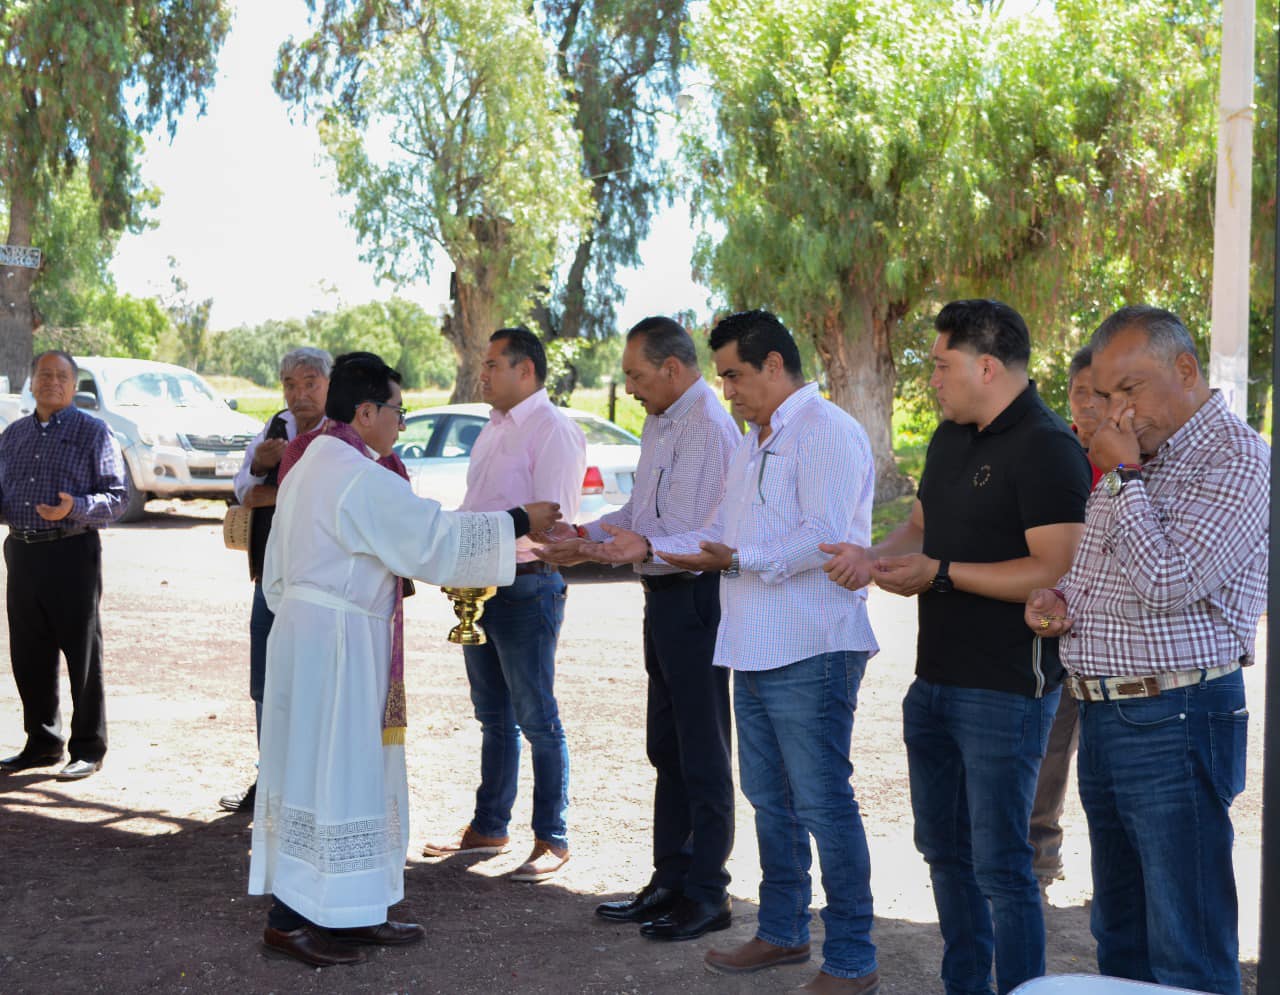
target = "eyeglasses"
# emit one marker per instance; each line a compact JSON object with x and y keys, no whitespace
{"x":400,"y":411}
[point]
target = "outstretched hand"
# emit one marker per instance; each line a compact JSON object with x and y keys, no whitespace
{"x":714,"y":556}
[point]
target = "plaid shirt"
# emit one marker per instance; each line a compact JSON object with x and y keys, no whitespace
{"x":75,"y":453}
{"x":811,"y":481}
{"x":1171,"y":573}
{"x":684,"y":453}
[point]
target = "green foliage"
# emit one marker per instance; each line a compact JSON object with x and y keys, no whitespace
{"x":618,"y":62}
{"x":447,"y":128}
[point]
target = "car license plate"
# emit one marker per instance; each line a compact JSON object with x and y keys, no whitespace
{"x":227,"y":466}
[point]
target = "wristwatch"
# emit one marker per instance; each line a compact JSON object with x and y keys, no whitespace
{"x":942,"y":579}
{"x":1114,"y":480}
{"x":732,"y":570}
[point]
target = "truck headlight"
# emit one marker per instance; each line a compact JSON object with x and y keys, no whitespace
{"x":150,"y":438}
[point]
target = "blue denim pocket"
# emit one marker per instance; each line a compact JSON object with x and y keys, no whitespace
{"x":1148,"y":713}
{"x":1228,"y":742}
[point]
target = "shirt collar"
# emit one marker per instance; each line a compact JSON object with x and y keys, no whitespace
{"x":686,"y":402}
{"x":788,"y":408}
{"x":522,"y":411}
{"x":1014,"y":412}
{"x":1199,"y":428}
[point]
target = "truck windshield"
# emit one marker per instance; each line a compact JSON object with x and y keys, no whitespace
{"x":164,"y":389}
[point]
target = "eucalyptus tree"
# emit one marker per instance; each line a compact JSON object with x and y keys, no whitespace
{"x":867,"y":160}
{"x":80,"y":82}
{"x":448,"y":128}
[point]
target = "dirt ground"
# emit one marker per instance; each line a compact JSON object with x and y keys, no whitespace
{"x":134,"y":880}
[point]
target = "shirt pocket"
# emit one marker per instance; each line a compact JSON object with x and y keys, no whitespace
{"x":773,"y":483}
{"x":662,"y":490}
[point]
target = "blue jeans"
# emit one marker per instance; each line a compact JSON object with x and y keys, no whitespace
{"x":1157,"y":778}
{"x":795,"y":724}
{"x":512,"y":680}
{"x":260,"y":621}
{"x":973,"y":757}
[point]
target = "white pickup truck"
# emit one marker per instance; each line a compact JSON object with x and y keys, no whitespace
{"x":179,"y":438}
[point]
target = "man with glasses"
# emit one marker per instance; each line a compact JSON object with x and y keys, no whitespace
{"x":304,"y":376}
{"x":529,"y":447}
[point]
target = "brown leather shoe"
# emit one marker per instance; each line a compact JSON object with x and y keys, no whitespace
{"x":469,"y":841}
{"x":827,"y":984}
{"x":754,"y":955}
{"x":387,"y":934}
{"x":310,"y":947}
{"x":544,"y":861}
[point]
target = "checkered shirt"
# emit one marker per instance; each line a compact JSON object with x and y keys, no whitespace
{"x":812,"y":481}
{"x":1171,"y":573}
{"x":684,"y":453}
{"x":74,"y":452}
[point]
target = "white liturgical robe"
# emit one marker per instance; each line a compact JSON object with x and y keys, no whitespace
{"x":331,"y":820}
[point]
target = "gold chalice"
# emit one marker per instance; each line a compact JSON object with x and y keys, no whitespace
{"x":468,"y":605}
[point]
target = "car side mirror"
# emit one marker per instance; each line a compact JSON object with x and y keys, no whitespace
{"x":86,"y":401}
{"x":233,"y":404}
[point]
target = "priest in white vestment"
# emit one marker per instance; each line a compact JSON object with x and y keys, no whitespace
{"x":330,"y":830}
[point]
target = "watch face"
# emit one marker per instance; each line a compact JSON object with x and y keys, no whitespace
{"x":942,"y":585}
{"x":1112,"y":483}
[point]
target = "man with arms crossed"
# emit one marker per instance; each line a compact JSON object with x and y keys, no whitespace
{"x":529,"y":447}
{"x":687,"y":442}
{"x":798,"y":647}
{"x":999,"y":512}
{"x":1158,"y":613}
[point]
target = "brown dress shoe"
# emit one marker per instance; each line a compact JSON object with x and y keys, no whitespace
{"x":544,"y":861}
{"x":754,"y":955}
{"x":387,"y":934}
{"x":310,"y":947}
{"x":469,"y":841}
{"x":827,"y":984}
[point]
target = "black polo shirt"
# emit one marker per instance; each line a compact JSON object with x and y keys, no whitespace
{"x":981,"y":491}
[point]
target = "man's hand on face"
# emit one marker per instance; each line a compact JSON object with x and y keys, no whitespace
{"x":267,"y":455}
{"x":1114,"y":443}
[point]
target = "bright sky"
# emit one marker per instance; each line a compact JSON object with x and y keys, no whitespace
{"x":250,"y":214}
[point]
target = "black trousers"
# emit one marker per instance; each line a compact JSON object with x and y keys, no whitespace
{"x":688,"y":739}
{"x":52,"y":597}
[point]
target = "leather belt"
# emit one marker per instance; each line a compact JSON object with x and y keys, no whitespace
{"x":46,"y":535}
{"x":535,"y":567}
{"x":661,"y":582}
{"x":1145,"y":686}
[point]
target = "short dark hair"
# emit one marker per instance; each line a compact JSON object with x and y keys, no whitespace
{"x":522,"y":344}
{"x":357,"y":377}
{"x":75,"y":368}
{"x":986,"y":327}
{"x":664,"y":338}
{"x":758,"y":333}
{"x":1167,"y":336}
{"x":1081,"y":361}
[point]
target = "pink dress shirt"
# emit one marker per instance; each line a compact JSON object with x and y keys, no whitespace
{"x":534,"y":452}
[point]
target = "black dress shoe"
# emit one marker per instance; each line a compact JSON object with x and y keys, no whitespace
{"x":388,"y":934}
{"x":25,"y":761}
{"x":77,"y":770}
{"x":239,"y":803}
{"x":688,"y":920}
{"x":310,"y":947}
{"x":651,"y":903}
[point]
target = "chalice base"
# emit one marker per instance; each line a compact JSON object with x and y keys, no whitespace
{"x":468,"y":605}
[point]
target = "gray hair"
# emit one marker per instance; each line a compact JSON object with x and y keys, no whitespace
{"x":1167,"y":336}
{"x":664,"y":338}
{"x":317,"y":360}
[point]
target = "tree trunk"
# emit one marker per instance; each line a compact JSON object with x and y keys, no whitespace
{"x":17,"y":317}
{"x":468,"y":329}
{"x":857,"y":351}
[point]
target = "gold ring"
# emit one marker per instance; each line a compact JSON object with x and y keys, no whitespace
{"x":1044,"y":623}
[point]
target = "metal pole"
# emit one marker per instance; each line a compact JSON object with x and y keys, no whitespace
{"x":1269,"y":929}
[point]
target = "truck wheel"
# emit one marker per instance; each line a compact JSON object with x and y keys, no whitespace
{"x":135,"y":504}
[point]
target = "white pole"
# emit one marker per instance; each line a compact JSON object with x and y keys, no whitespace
{"x":1229,"y":339}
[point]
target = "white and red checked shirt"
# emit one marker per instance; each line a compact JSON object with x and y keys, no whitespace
{"x":1171,"y":573}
